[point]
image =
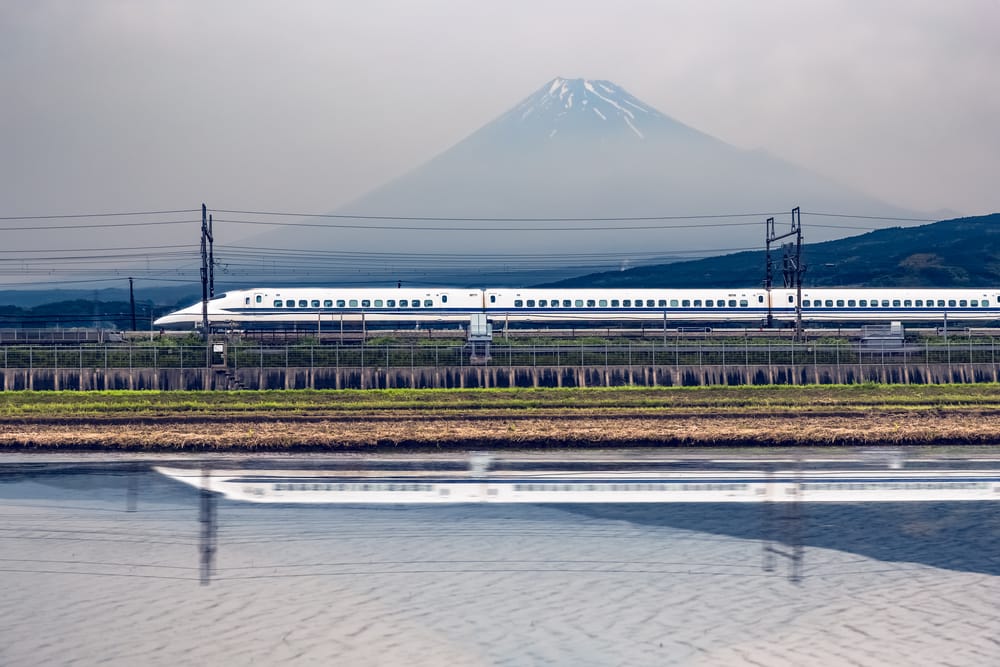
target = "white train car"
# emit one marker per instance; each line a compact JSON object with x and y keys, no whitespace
{"x":690,"y":486}
{"x":444,"y":304}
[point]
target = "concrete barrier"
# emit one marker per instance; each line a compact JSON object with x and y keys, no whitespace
{"x":495,"y":376}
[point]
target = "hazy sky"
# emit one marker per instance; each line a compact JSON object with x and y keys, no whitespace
{"x":112,"y":105}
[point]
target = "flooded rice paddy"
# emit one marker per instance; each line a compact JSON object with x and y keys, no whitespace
{"x":113,"y":562}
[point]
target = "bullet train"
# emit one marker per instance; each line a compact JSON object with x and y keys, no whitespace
{"x":551,"y":486}
{"x":287,"y":305}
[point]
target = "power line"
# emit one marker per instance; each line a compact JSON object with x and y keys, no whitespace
{"x":346,"y":216}
{"x":94,"y":226}
{"x":96,"y":215}
{"x":425,"y":228}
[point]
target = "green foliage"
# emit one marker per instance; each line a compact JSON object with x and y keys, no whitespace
{"x":770,"y":400}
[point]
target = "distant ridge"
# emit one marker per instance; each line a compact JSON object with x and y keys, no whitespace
{"x":950,"y":253}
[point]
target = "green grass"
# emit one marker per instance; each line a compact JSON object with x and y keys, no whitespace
{"x":694,"y":400}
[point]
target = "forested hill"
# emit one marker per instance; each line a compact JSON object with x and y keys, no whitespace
{"x":960,"y":252}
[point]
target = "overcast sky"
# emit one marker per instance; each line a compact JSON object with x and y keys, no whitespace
{"x":112,"y":105}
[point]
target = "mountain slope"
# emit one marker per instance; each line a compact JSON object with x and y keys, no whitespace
{"x":579,"y":148}
{"x":951,"y":253}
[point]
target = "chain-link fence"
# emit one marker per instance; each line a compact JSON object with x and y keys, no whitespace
{"x":680,"y":354}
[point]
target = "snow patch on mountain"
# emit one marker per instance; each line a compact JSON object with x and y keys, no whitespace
{"x":563,"y":103}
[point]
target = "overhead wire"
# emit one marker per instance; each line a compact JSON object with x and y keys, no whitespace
{"x":240,"y":260}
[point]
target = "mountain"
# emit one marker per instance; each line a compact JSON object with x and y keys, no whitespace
{"x":964,"y":252}
{"x":575,"y":148}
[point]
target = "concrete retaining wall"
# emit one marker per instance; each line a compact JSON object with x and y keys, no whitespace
{"x":477,"y":376}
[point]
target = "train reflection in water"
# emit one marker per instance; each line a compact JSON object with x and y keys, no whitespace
{"x":652,"y":486}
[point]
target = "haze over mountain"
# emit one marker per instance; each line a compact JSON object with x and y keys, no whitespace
{"x":964,"y":252}
{"x":576,"y":148}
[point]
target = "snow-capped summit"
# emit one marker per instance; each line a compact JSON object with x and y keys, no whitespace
{"x":582,"y":148}
{"x":587,"y":105}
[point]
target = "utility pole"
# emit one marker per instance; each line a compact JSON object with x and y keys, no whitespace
{"x":206,"y":235}
{"x":131,"y":298}
{"x":768,"y":267}
{"x":791,"y":263}
{"x":211,"y":260}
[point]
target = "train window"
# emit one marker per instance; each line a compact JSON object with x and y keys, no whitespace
{"x":638,"y":303}
{"x":805,"y":303}
{"x":315,"y":303}
{"x":302,"y":303}
{"x":567,"y":303}
{"x":744,"y":303}
{"x":444,"y":298}
{"x":378,"y":303}
{"x":531,"y":303}
{"x":697,"y":303}
{"x":353,"y":303}
{"x":760,"y":298}
{"x":685,"y":303}
{"x":626,"y":302}
{"x":673,"y":303}
{"x":259,"y":299}
{"x":615,"y":303}
{"x":591,"y":303}
{"x":578,"y":303}
{"x":962,"y":303}
{"x":940,"y":303}
{"x":907,"y":303}
{"x":885,"y":303}
{"x":732,"y":303}
{"x":650,"y":303}
{"x":895,"y":303}
{"x":542,"y":303}
{"x":863,"y":303}
{"x":709,"y":303}
{"x":277,"y":303}
{"x":974,"y":303}
{"x":493,"y":298}
{"x":851,"y":303}
{"x":603,"y":303}
{"x":403,"y":303}
{"x":328,"y":303}
{"x":366,"y":303}
{"x":428,"y":303}
{"x":919,"y":303}
{"x":951,"y":303}
{"x":840,"y":303}
{"x":518,"y":303}
{"x":414,"y":303}
{"x":341,"y":303}
{"x":662,"y":303}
